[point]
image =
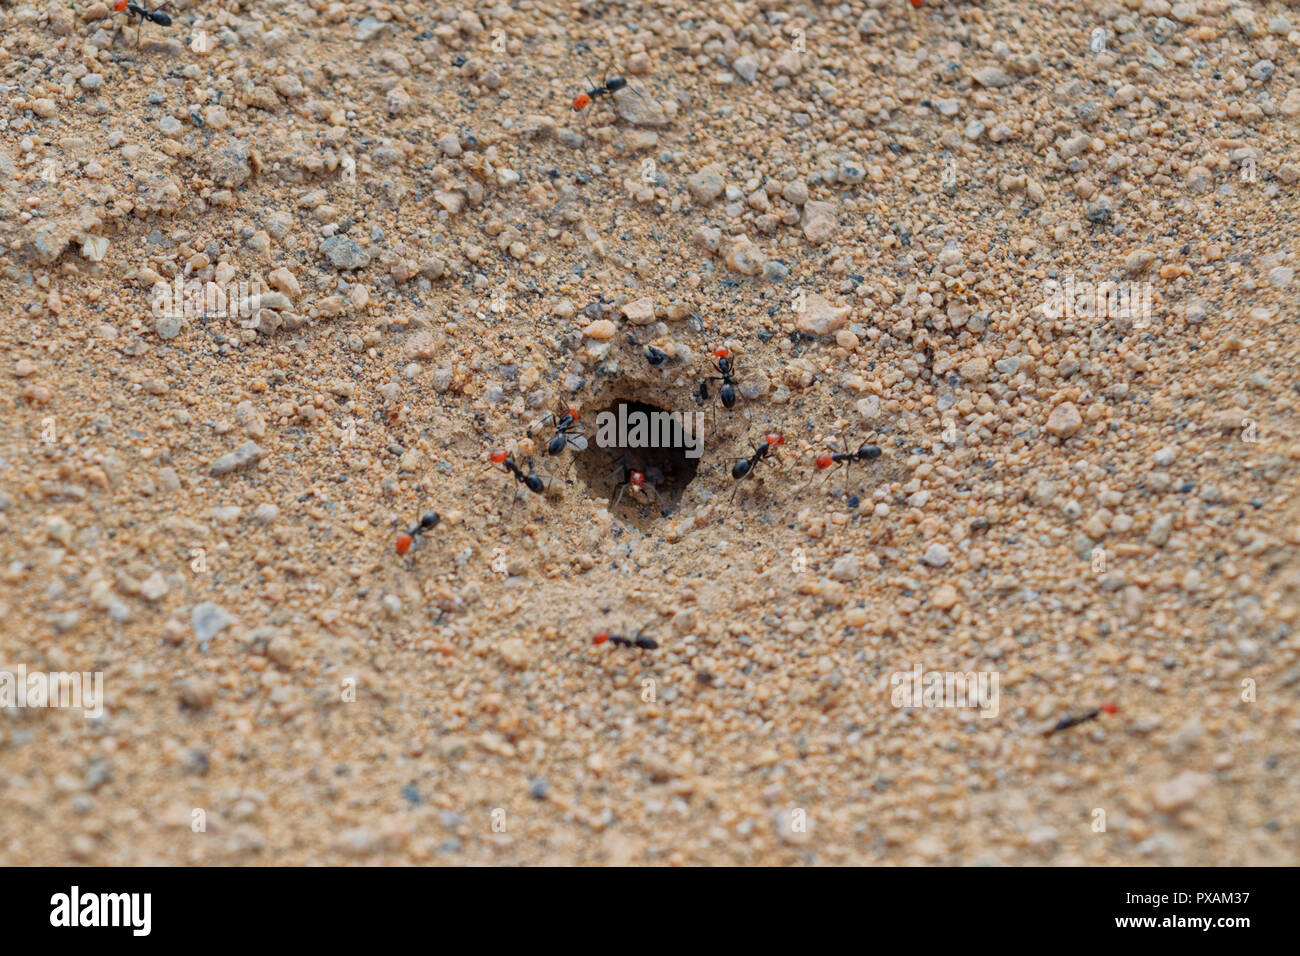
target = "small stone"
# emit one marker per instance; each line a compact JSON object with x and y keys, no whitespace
{"x":706,"y":185}
{"x":168,"y":326}
{"x":845,"y":568}
{"x":369,"y":28}
{"x":944,"y":597}
{"x":515,"y":652}
{"x":820,"y":317}
{"x":197,"y":693}
{"x":1065,"y":420}
{"x":746,"y":67}
{"x":246,"y":454}
{"x":154,"y":587}
{"x":209,"y":619}
{"x":820,"y":222}
{"x":936,"y":556}
{"x":1290,"y":105}
{"x":344,"y":253}
{"x":992,"y":77}
{"x":44,"y":107}
{"x":1138,"y":261}
{"x":601,"y":330}
{"x":266,"y":513}
{"x":1179,"y":792}
{"x":1262,"y":70}
{"x":975,"y":369}
{"x":640,"y":311}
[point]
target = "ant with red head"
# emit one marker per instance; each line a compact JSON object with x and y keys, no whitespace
{"x":866,"y":452}
{"x":564,"y":424}
{"x":635,"y":480}
{"x":609,"y":85}
{"x":744,"y":467}
{"x":726,"y":367}
{"x":646,"y":643}
{"x":532,"y":481}
{"x":135,"y":10}
{"x":1065,"y":723}
{"x":407,"y":538}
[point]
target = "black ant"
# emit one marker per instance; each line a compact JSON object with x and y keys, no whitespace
{"x":135,"y":10}
{"x":608,"y":87}
{"x":744,"y":467}
{"x":647,"y":643}
{"x":726,"y":367}
{"x":533,"y":481}
{"x":563,"y":425}
{"x":865,"y":452}
{"x":1065,"y":723}
{"x":407,"y":538}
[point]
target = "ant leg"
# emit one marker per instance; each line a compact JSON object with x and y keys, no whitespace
{"x":623,"y":486}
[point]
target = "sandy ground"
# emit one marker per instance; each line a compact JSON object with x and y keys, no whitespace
{"x":422,"y":249}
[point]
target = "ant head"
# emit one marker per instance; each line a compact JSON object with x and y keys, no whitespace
{"x":499,"y":455}
{"x":581,"y":102}
{"x":636,"y":479}
{"x":774,"y":440}
{"x":404,"y":543}
{"x":722,"y":352}
{"x":824,"y":461}
{"x":600,"y":638}
{"x":119,"y":6}
{"x":1109,"y":707}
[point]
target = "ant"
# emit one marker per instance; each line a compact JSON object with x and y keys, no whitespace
{"x":533,"y":481}
{"x":726,"y":367}
{"x":609,"y":85}
{"x":407,"y":538}
{"x":744,"y":467}
{"x":630,"y":479}
{"x":647,"y":643}
{"x":1065,"y":723}
{"x":563,"y":425}
{"x":135,"y":10}
{"x":865,"y":452}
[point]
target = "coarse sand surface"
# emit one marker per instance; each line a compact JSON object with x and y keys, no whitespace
{"x":278,"y":278}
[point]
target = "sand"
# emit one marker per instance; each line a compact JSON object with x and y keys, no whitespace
{"x":1048,"y":271}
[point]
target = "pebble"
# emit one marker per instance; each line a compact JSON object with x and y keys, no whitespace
{"x":936,"y":556}
{"x":821,"y":317}
{"x":639,"y":311}
{"x":601,"y":329}
{"x":1180,"y":792}
{"x":820,"y":222}
{"x":1064,"y":421}
{"x":515,"y":652}
{"x":154,"y":587}
{"x":845,"y":568}
{"x":209,"y":619}
{"x":246,"y":454}
{"x":345,"y":254}
{"x":746,"y":67}
{"x":706,"y":185}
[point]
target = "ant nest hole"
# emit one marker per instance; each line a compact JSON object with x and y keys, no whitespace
{"x":626,"y":432}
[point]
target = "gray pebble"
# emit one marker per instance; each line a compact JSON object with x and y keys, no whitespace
{"x":209,"y":619}
{"x":344,"y":253}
